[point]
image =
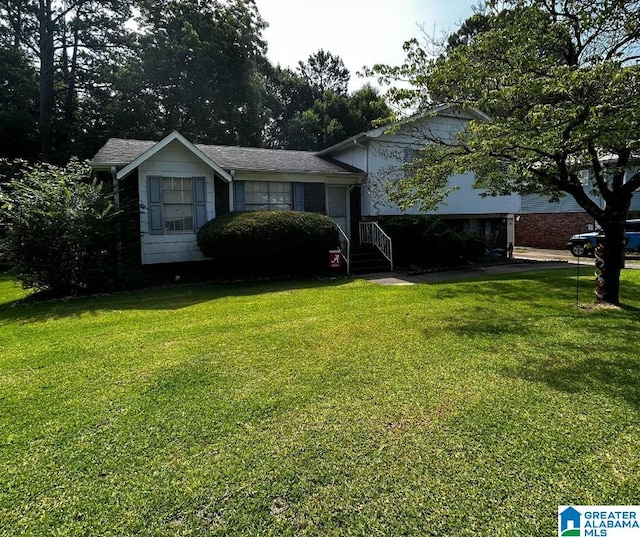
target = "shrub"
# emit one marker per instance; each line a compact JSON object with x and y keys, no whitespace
{"x":428,"y":241}
{"x":269,"y":242}
{"x":62,"y":229}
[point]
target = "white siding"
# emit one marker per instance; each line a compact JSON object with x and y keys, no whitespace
{"x":172,"y":161}
{"x":386,"y":155}
{"x":354,"y":155}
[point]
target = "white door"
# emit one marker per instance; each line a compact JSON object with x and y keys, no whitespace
{"x":338,"y":206}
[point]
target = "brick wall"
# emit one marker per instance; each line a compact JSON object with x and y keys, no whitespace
{"x":549,"y":230}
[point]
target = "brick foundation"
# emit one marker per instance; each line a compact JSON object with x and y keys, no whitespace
{"x":549,"y":230}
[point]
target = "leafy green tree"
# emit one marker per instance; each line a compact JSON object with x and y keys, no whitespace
{"x":368,"y":108}
{"x":195,"y":70}
{"x":18,"y":106}
{"x":314,"y":124}
{"x":476,"y":24}
{"x":325,"y":71}
{"x":287,"y":95}
{"x":560,"y":82}
{"x":62,"y":229}
{"x":66,"y":42}
{"x":322,"y":125}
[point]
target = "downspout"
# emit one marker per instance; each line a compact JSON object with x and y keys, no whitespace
{"x":116,"y":204}
{"x":116,"y":187}
{"x":232,"y":205}
{"x":366,"y":179}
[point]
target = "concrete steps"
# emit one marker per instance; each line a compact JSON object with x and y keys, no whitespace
{"x":367,"y":259}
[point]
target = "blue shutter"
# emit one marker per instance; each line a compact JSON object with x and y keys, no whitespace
{"x":298,"y":197}
{"x":238,"y":195}
{"x":199,"y":203}
{"x":156,"y":226}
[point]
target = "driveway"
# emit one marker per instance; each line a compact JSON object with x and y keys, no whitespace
{"x":538,"y":254}
{"x":540,"y":259}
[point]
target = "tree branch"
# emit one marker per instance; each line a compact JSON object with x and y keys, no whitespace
{"x":597,"y":171}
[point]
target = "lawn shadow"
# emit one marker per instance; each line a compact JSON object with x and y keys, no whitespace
{"x":533,"y":287}
{"x":614,"y":377}
{"x":611,"y":366}
{"x":168,"y":297}
{"x":473,"y":328}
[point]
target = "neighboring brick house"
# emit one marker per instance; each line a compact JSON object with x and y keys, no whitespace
{"x":542,"y":224}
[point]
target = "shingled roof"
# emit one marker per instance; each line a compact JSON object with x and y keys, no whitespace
{"x":120,"y":152}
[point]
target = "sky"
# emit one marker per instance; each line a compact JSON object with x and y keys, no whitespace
{"x":361,"y":32}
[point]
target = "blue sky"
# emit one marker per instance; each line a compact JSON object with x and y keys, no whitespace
{"x":361,"y":32}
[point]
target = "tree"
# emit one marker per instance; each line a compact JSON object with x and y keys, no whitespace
{"x":18,"y":106}
{"x":301,"y":118}
{"x":331,"y":118}
{"x":478,"y":23}
{"x":66,"y":42}
{"x":325,"y":71}
{"x":287,"y":95}
{"x":560,"y":81}
{"x":63,"y":229}
{"x":195,"y":70}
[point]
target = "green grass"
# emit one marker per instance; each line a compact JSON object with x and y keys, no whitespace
{"x":318,"y":408}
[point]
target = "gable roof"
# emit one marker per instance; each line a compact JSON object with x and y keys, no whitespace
{"x":129,"y":154}
{"x":441,"y":110}
{"x":165,"y":142}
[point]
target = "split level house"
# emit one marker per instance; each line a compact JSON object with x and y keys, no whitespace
{"x":180,"y":185}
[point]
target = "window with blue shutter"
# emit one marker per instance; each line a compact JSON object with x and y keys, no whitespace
{"x":176,"y":204}
{"x":199,"y":202}
{"x":238,"y":195}
{"x":156,"y":223}
{"x":298,"y":197}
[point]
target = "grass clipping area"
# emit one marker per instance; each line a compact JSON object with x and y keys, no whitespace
{"x":318,"y":408}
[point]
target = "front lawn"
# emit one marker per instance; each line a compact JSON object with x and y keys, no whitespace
{"x":318,"y":408}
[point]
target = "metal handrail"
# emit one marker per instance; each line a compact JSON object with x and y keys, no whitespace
{"x":344,"y":245}
{"x":372,"y":233}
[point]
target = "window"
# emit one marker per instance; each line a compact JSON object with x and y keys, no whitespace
{"x":410,"y":154}
{"x":584,"y":176}
{"x":268,"y":196}
{"x":176,"y":204}
{"x":177,"y":197}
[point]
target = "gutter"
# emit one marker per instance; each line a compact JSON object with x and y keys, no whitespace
{"x":116,"y":187}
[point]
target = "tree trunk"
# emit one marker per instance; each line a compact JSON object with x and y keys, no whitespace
{"x":46,"y":78}
{"x":614,"y":250}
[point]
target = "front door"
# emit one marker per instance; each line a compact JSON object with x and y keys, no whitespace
{"x":338,"y":206}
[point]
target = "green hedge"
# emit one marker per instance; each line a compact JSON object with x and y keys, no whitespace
{"x":427,"y":241}
{"x":62,"y":230}
{"x":269,"y":242}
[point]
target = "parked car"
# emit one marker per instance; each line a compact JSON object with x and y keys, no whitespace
{"x":583,"y":244}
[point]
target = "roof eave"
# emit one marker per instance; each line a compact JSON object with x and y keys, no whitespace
{"x":294,"y":172}
{"x":106,"y":165}
{"x":162,"y":144}
{"x":363,"y":136}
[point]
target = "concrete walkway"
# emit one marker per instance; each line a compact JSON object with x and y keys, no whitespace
{"x":396,"y":278}
{"x":539,"y":260}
